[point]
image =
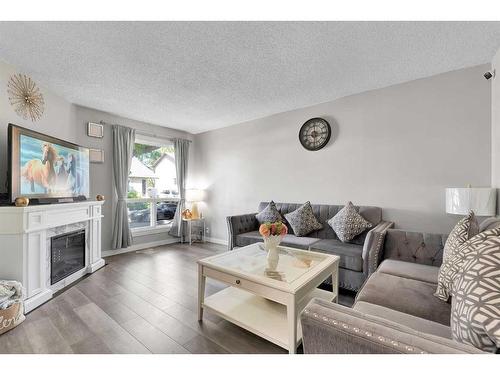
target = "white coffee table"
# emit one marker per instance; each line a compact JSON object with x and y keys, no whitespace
{"x":263,"y":301}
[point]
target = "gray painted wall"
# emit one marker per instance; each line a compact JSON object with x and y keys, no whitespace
{"x":397,"y":147}
{"x":67,"y":121}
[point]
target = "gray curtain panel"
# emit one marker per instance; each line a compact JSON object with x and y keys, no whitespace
{"x":181,"y":164}
{"x":123,"y":148}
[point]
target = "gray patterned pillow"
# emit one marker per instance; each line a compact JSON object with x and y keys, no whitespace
{"x":303,"y":221}
{"x":348,"y":223}
{"x":475,"y":306}
{"x":455,"y":250}
{"x":270,"y":214}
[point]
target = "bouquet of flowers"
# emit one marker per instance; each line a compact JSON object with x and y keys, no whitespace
{"x":273,"y":233}
{"x":273,"y":229}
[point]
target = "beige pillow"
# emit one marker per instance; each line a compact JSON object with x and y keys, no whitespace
{"x":454,"y":254}
{"x":475,"y":308}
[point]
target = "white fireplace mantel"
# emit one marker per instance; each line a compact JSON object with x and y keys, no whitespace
{"x":25,"y":245}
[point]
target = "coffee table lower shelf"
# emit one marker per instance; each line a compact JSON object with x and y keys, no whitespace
{"x":265,"y":318}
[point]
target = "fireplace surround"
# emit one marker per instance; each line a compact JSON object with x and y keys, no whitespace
{"x":26,"y":236}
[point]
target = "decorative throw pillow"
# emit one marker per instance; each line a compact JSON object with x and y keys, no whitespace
{"x":475,"y":307}
{"x":454,"y":254}
{"x":270,"y":214}
{"x":303,"y":221}
{"x":348,"y":223}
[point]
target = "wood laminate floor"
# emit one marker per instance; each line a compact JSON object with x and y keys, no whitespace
{"x":141,"y":302}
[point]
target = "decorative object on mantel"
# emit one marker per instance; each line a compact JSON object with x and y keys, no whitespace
{"x":273,"y":233}
{"x":96,"y":156}
{"x":315,"y":134}
{"x":459,"y":201}
{"x":99,"y":197}
{"x":186,"y":214}
{"x":25,"y":97}
{"x":95,"y":130}
{"x":22,"y":202}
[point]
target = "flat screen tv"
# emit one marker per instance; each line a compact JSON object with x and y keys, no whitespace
{"x":46,"y":169}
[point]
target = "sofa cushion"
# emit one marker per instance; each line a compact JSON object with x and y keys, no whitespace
{"x":406,"y":295}
{"x":248,"y":238}
{"x":290,"y":240}
{"x":350,"y":254}
{"x":270,"y":214}
{"x":453,"y":254}
{"x":348,"y":223}
{"x":299,"y":242}
{"x":414,"y":322}
{"x":303,"y":221}
{"x":475,"y":313}
{"x":414,"y":271}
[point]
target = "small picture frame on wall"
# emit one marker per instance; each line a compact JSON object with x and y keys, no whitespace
{"x":96,"y":155}
{"x":95,"y":130}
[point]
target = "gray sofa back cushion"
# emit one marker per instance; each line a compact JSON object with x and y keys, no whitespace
{"x":416,"y":247}
{"x":325,"y":212}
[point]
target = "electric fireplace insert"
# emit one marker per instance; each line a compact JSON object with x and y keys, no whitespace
{"x":67,"y":255}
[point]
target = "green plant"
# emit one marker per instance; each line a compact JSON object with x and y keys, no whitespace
{"x":133,"y":194}
{"x":149,"y":155}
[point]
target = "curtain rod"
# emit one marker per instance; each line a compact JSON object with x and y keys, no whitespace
{"x":147,"y":134}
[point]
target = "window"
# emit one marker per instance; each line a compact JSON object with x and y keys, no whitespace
{"x":153,"y":194}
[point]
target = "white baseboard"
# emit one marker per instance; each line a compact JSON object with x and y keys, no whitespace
{"x":218,"y":241}
{"x":37,"y":300}
{"x":141,"y":246}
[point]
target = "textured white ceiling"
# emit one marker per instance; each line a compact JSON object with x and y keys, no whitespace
{"x":198,"y":76}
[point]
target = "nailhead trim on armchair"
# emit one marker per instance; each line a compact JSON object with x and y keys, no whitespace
{"x":361,"y":332}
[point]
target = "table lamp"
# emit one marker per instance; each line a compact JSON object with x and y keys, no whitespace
{"x":194,"y":196}
{"x":482,"y":201}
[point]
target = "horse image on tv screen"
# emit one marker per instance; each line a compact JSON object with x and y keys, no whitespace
{"x":49,"y":168}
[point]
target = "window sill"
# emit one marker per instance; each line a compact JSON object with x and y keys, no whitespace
{"x":139,"y":232}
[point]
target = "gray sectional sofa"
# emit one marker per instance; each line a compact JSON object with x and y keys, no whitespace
{"x":395,"y":311}
{"x":358,"y":259}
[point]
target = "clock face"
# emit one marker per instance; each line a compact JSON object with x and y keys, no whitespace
{"x":315,"y":134}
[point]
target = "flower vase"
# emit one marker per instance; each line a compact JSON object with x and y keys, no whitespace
{"x":271,"y":244}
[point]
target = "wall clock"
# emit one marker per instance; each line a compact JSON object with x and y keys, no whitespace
{"x":315,"y":134}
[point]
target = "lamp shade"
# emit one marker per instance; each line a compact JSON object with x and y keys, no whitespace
{"x":194,"y":195}
{"x":482,"y":201}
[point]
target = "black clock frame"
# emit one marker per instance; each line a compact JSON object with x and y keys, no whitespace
{"x":328,"y":136}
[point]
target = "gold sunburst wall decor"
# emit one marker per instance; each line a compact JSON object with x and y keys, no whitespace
{"x":25,"y":97}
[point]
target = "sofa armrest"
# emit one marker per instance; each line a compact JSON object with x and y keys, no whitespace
{"x":329,"y":328}
{"x":372,"y":248}
{"x":240,"y":224}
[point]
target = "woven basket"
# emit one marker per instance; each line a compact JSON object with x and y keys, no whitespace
{"x":11,"y":317}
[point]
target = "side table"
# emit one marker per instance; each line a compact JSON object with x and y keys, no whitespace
{"x":198,"y":224}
